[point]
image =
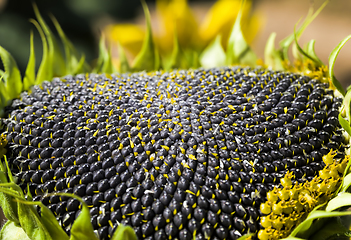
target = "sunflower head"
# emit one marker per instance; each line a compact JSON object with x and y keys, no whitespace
{"x":163,"y":149}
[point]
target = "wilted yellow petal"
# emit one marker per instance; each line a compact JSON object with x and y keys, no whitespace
{"x":221,"y":17}
{"x":252,"y":26}
{"x":175,"y":14}
{"x":128,"y":35}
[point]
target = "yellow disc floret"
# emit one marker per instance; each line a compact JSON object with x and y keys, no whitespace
{"x":288,"y":205}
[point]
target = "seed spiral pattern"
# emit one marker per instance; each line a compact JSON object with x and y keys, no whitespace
{"x":172,"y":154}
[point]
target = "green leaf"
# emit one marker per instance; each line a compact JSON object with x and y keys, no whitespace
{"x":29,"y":76}
{"x":346,"y":172}
{"x":7,"y":204}
{"x":12,"y":232}
{"x":31,"y":224}
{"x":332,"y":58}
{"x":82,"y":227}
{"x":11,"y":84}
{"x":346,"y":183}
{"x":341,"y":200}
{"x":124,"y":233}
{"x":51,"y":224}
{"x":213,"y":55}
{"x":37,"y":227}
{"x":345,"y":124}
{"x":148,"y":58}
{"x":293,"y":238}
{"x":333,"y":227}
{"x":272,"y":57}
{"x":29,"y":219}
{"x":238,"y":51}
{"x":54,"y":52}
{"x":10,"y":208}
{"x":45,"y":71}
{"x":315,"y":214}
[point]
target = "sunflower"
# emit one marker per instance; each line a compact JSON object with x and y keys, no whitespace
{"x":234,"y":151}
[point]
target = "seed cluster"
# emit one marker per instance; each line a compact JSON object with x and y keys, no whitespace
{"x":172,"y":154}
{"x":287,"y":205}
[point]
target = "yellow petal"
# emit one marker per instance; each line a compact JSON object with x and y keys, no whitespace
{"x":221,"y":17}
{"x":252,"y":26}
{"x":130,"y":36}
{"x":175,"y":15}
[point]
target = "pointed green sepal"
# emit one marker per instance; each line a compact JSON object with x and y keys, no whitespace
{"x":272,"y":57}
{"x":73,"y":66}
{"x":148,"y":58}
{"x":311,"y":52}
{"x":11,"y":83}
{"x":286,"y":42}
{"x":213,"y":55}
{"x":54,"y":52}
{"x":123,"y":64}
{"x":108,"y":67}
{"x":178,"y":58}
{"x":238,"y":50}
{"x":80,"y":67}
{"x":104,"y":62}
{"x":82,"y":227}
{"x":332,"y":58}
{"x":45,"y":69}
{"x":124,"y":233}
{"x":10,"y":176}
{"x":316,"y":61}
{"x":29,"y":76}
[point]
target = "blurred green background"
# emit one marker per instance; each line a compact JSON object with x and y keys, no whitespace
{"x":82,"y":21}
